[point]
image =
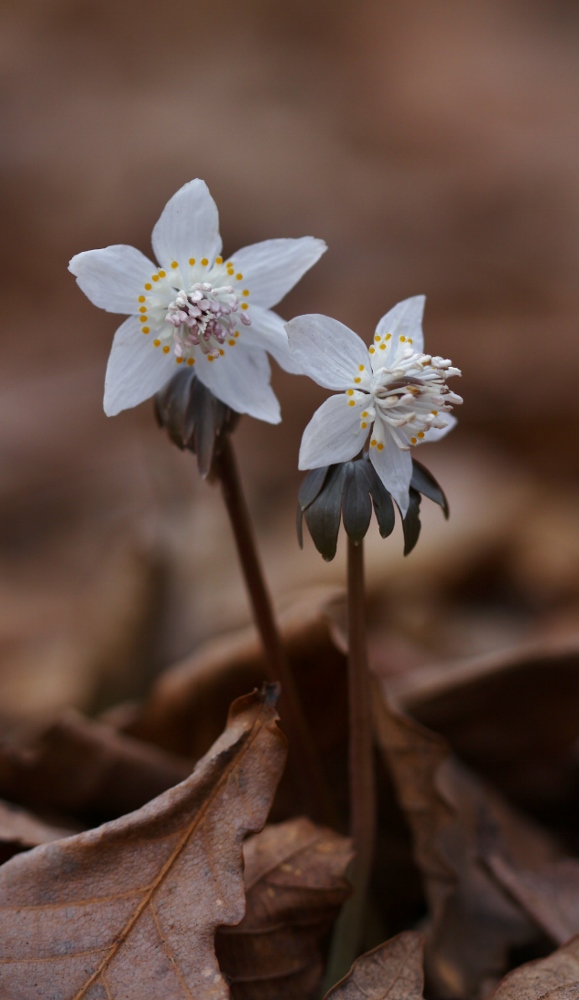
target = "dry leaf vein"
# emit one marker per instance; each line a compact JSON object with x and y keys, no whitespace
{"x":169,"y":953}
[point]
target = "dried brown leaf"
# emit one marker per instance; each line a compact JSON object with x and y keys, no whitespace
{"x":553,"y":978}
{"x":130,"y":909}
{"x":86,"y":769}
{"x":393,"y":971}
{"x":295,"y":884}
{"x":473,"y":922}
{"x":511,"y":716}
{"x":550,"y":896}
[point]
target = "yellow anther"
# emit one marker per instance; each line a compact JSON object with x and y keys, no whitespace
{"x":231,"y":343}
{"x":166,"y":349}
{"x":179,"y":361}
{"x":157,"y":343}
{"x":221,"y":351}
{"x":380,"y":446}
{"x":210,"y":357}
{"x":244,"y":305}
{"x":388,"y":336}
{"x":148,"y":286}
{"x":162,"y":274}
{"x":409,"y":340}
{"x":365,"y":413}
{"x":352,"y":402}
{"x":204,"y":261}
{"x":363,"y":426}
{"x":373,"y":443}
{"x":145,"y":329}
{"x":360,"y":368}
{"x":142,"y":309}
{"x":142,"y":319}
{"x":174,"y":264}
{"x":434,"y":413}
{"x":190,"y":361}
{"x":382,"y":347}
{"x":372,"y":350}
{"x":412,"y":440}
{"x":245,"y":291}
{"x":155,"y":278}
{"x":420,"y":434}
{"x":377,"y":338}
{"x":236,"y":334}
{"x":239,"y":277}
{"x":142,"y":298}
{"x":350,"y":392}
{"x":191,"y":261}
{"x":230,"y":269}
{"x":219,"y":260}
{"x":402,"y":339}
{"x":357,"y":380}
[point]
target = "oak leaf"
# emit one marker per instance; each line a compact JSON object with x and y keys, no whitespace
{"x":474,"y":923}
{"x":129,"y":910}
{"x":295,"y":884}
{"x":393,"y":971}
{"x":553,"y":978}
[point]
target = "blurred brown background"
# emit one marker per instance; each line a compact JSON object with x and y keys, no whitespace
{"x":435,"y":147}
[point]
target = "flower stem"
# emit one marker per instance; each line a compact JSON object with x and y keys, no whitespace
{"x":307,"y":768}
{"x":350,"y":927}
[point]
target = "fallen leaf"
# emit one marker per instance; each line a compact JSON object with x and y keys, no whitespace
{"x":85,"y":769}
{"x":549,"y":896}
{"x":473,"y":922}
{"x":295,"y":884}
{"x":553,"y":978}
{"x":393,"y":970}
{"x":20,"y":830}
{"x":511,"y":716}
{"x":130,"y":909}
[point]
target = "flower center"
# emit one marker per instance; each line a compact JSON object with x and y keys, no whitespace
{"x":194,"y":307}
{"x":204,"y":317}
{"x":412,"y":396}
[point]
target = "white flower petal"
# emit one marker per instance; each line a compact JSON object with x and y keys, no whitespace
{"x":267,"y":331}
{"x":436,"y":433}
{"x":270,"y":269}
{"x":136,"y":368}
{"x":326,"y":350}
{"x":240,"y":378}
{"x":188,"y":227}
{"x":404,"y":320}
{"x":333,"y":434}
{"x":393,"y":466}
{"x":113,"y":277}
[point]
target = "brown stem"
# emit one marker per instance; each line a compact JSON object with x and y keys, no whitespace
{"x":350,"y":927}
{"x":308,"y":772}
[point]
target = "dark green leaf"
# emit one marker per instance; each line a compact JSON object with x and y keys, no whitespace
{"x":312,"y":485}
{"x":323,"y":515}
{"x":383,"y":506}
{"x":356,"y":503}
{"x":411,"y":523}
{"x":424,"y":482}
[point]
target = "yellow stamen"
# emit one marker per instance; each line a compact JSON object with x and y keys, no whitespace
{"x":382,"y":347}
{"x":372,"y":350}
{"x":380,"y":446}
{"x":142,"y":298}
{"x":162,"y":274}
{"x":231,"y":343}
{"x":244,"y":305}
{"x":412,"y":440}
{"x":388,"y":336}
{"x":239,"y":277}
{"x":148,"y":286}
{"x":421,"y":434}
{"x":191,"y":261}
{"x":179,"y":360}
{"x":190,"y":361}
{"x":402,"y":339}
{"x":145,"y":329}
{"x":219,"y":260}
{"x":357,"y":380}
{"x":377,"y":338}
{"x":236,"y":334}
{"x":166,"y":349}
{"x":210,"y":357}
{"x":363,"y":426}
{"x":360,"y":368}
{"x":157,"y":343}
{"x":155,"y":278}
{"x":174,"y":264}
{"x":204,"y":262}
{"x":352,"y":402}
{"x":142,"y":309}
{"x":350,"y":392}
{"x":142,"y":319}
{"x":434,"y":413}
{"x":373,"y":443}
{"x":245,"y":291}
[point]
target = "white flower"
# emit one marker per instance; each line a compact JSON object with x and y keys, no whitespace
{"x":196,"y":308}
{"x":394,"y":394}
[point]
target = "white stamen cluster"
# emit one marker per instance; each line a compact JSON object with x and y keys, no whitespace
{"x":411,"y":395}
{"x":203,"y":317}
